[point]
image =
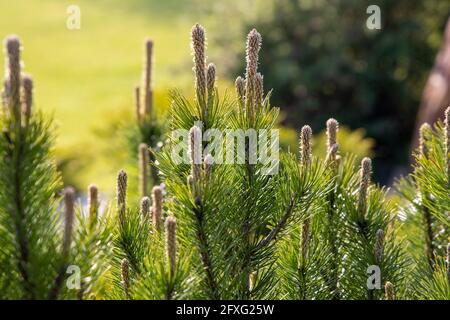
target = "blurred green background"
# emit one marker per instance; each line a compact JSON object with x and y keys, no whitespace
{"x":86,"y":77}
{"x":318,"y":56}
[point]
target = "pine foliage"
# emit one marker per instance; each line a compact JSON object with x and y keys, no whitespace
{"x":32,"y":255}
{"x":426,"y":207}
{"x":270,"y":225}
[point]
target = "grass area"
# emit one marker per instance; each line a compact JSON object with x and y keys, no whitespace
{"x":86,"y":77}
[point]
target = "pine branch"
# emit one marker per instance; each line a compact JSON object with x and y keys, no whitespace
{"x":331,"y":232}
{"x":429,"y":236}
{"x":171,"y":252}
{"x":425,"y":131}
{"x":205,"y":251}
{"x":69,"y":194}
{"x":14,"y":153}
{"x":332,"y":238}
{"x":279,"y":226}
{"x":19,"y":218}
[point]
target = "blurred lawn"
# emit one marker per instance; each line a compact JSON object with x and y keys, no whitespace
{"x":86,"y":77}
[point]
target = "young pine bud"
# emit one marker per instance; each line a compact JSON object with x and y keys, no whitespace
{"x":448,"y":263}
{"x":332,"y":130}
{"x":208,"y":166}
{"x":137,"y":103}
{"x":190,"y":181}
{"x":210,"y":78}
{"x":122,"y":181}
{"x":240,"y":89}
{"x":5,"y":93}
{"x":338,"y":159}
{"x":332,"y":156}
{"x":364,"y":181}
{"x":389,"y":291}
{"x":305,"y":238}
{"x":252,"y":278}
{"x":171,"y":243}
{"x":252,"y":52}
{"x":195,"y":145}
{"x":12,"y":48}
{"x":425,"y":130}
{"x":157,"y":209}
{"x":447,"y":141}
{"x":125,"y":267}
{"x":69,"y":213}
{"x":147,"y":79}
{"x":93,"y":203}
{"x":143,"y":170}
{"x":27,"y":98}
{"x":305,"y":145}
{"x":379,"y":246}
{"x":195,"y":150}
{"x":198,"y":51}
{"x":259,"y":89}
{"x":144,"y":208}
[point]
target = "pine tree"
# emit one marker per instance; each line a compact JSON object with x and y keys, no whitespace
{"x":92,"y":247}
{"x":150,"y":126}
{"x":197,"y":199}
{"x":35,"y":241}
{"x":426,"y":206}
{"x":233,"y":213}
{"x":349,"y":230}
{"x":144,"y":136}
{"x":145,"y":262}
{"x":283,"y":227}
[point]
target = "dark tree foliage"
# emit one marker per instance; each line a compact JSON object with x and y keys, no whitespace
{"x":322,"y":61}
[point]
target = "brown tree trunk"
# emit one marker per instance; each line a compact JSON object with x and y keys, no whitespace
{"x":436,"y":95}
